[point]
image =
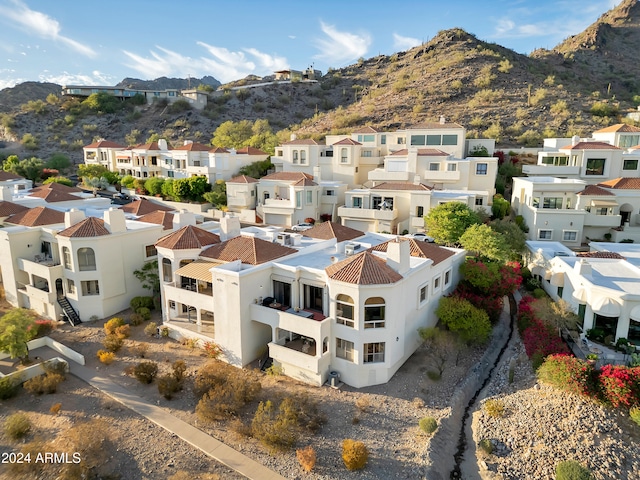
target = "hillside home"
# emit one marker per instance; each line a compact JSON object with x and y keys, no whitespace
{"x":333,"y":300}
{"x":14,"y":183}
{"x":288,"y":198}
{"x":104,"y":153}
{"x":195,"y":98}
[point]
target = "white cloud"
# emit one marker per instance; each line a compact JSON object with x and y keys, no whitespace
{"x":404,"y":43}
{"x":10,"y":82}
{"x":40,"y":24}
{"x":222,"y":63}
{"x":66,"y":78}
{"x":340,"y":47}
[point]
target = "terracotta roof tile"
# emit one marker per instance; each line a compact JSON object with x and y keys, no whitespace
{"x":347,"y":141}
{"x":35,"y":217}
{"x":431,"y":152}
{"x":250,"y":250}
{"x":159,"y":217}
{"x":89,"y":227}
{"x":242,"y":179}
{"x":188,"y":237}
{"x":401,"y":152}
{"x":327,"y":230}
{"x":614,"y":255}
{"x":193,"y":147}
{"x":363,"y":269}
{"x":591,"y":146}
{"x":250,"y":151}
{"x":6,"y":176}
{"x":305,"y":182}
{"x":144,"y":206}
{"x":594,"y":190}
{"x":58,"y":187}
{"x":218,"y":150}
{"x":401,"y":186}
{"x":288,"y":176}
{"x":147,"y":146}
{"x":624,"y":183}
{"x":52,"y":196}
{"x":367,"y":129}
{"x":302,"y":141}
{"x":420,"y":249}
{"x":104,"y":144}
{"x":9,"y":208}
{"x":619,"y":127}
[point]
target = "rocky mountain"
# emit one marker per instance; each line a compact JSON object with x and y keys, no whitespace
{"x":13,"y":97}
{"x":165,"y":83}
{"x":588,"y":81}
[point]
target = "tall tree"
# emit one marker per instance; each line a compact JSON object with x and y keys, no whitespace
{"x":447,"y":222}
{"x":30,"y":168}
{"x":485,"y":242}
{"x":232,"y":134}
{"x":14,"y":332}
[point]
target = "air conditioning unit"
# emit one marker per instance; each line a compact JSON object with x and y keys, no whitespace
{"x":283,"y":239}
{"x":349,"y":249}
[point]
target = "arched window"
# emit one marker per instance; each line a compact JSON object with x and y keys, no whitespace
{"x":303,"y":157}
{"x":295,"y":156}
{"x":167,"y":274}
{"x":344,"y":310}
{"x":343,"y":155}
{"x":86,"y":259}
{"x":66,"y":258}
{"x":374,"y":312}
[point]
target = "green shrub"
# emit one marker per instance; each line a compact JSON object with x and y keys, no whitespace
{"x":494,"y":408}
{"x":136,"y":319}
{"x":145,"y":372}
{"x":354,"y":454}
{"x":113,"y":343}
{"x":227,"y":398}
{"x":179,"y":367}
{"x":8,"y":388}
{"x":634,"y":414}
{"x":572,"y":470}
{"x":111,"y":326}
{"x":144,"y":312}
{"x":460,"y":316}
{"x":539,"y":293}
{"x":16,"y":426}
{"x":568,"y":373}
{"x":428,"y":425}
{"x":139,"y":302}
{"x":434,"y":376}
{"x":276,"y":429}
{"x":486,"y":446}
{"x":168,"y":385}
{"x":151,"y":329}
{"x":47,"y":383}
{"x":603,"y":109}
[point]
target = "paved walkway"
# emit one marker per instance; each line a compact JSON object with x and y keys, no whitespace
{"x":209,"y":445}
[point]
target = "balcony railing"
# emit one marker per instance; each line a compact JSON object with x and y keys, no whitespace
{"x":380,"y":175}
{"x":442,"y":176}
{"x":368,"y":213}
{"x":305,"y":325}
{"x":550,"y":170}
{"x":592,"y":220}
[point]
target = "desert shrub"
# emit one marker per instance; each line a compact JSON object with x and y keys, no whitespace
{"x":151,"y":329}
{"x":111,"y":325}
{"x":428,"y":425}
{"x":113,"y":343}
{"x":136,"y":319}
{"x":168,"y":385}
{"x":47,"y":383}
{"x":190,"y":343}
{"x":494,"y":408}
{"x":363,"y":404}
{"x":572,"y":470}
{"x":144,"y":312}
{"x":568,"y":373}
{"x":227,"y":399}
{"x":123,"y":331}
{"x":354,"y":454}
{"x":274,"y":370}
{"x":106,"y":357}
{"x":212,"y":350}
{"x":140,"y":349}
{"x":603,"y":109}
{"x":91,"y":441}
{"x":634,"y":414}
{"x":486,"y":446}
{"x":16,"y":426}
{"x":145,"y":372}
{"x":164,"y":332}
{"x":8,"y":388}
{"x":55,"y":408}
{"x":275,"y":428}
{"x":139,"y":302}
{"x":179,"y":367}
{"x":306,"y":457}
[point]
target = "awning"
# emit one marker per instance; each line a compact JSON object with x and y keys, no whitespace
{"x":635,"y":313}
{"x":557,"y":279}
{"x":596,"y":202}
{"x":580,"y":294}
{"x":198,"y":270}
{"x":606,"y":307}
{"x":537,"y":270}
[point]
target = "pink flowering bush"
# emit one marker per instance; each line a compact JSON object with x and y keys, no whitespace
{"x":568,"y":373}
{"x":492,"y":278}
{"x":620,"y":385}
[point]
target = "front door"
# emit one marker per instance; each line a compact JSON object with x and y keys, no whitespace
{"x":59,"y":289}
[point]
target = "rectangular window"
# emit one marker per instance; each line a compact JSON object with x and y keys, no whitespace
{"x":436,"y":284}
{"x":569,"y":235}
{"x":447,"y":278}
{"x":309,"y":197}
{"x":330,"y":193}
{"x":344,"y":314}
{"x":279,"y":153}
{"x":282,"y":292}
{"x":535,"y":202}
{"x":383,"y":139}
{"x":481,"y":169}
{"x":449,"y":139}
{"x":154,"y":160}
{"x":90,"y":287}
{"x":434,"y":167}
{"x":172,"y":304}
{"x":560,"y":291}
{"x":434,"y":139}
{"x":628,"y":140}
{"x":423,"y":294}
{"x":401,"y":140}
{"x":452,"y":167}
{"x":479,"y":201}
{"x":298,"y":199}
{"x":356,"y":202}
{"x":150,"y":251}
{"x":367,"y":153}
{"x":170,"y":174}
{"x":368,"y":138}
{"x":417,"y":140}
{"x":545,"y":234}
{"x":419,"y":211}
{"x":630,"y":165}
{"x":595,"y":166}
{"x":374,"y":352}
{"x":344,"y":349}
{"x":552,"y":202}
{"x":71,"y":287}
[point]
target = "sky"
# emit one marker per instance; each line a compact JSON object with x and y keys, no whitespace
{"x":72,"y":42}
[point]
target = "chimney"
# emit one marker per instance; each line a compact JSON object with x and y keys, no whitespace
{"x":182,"y":219}
{"x":442,"y":120}
{"x":293,"y":137}
{"x":162,"y":144}
{"x":229,"y":227}
{"x":398,"y":255}
{"x":114,"y":220}
{"x":575,"y":140}
{"x":187,"y":142}
{"x":583,"y":268}
{"x":6,"y":193}
{"x":416,"y":180}
{"x":316,"y":174}
{"x":72,"y":217}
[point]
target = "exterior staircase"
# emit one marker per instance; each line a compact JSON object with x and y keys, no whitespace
{"x":70,"y":313}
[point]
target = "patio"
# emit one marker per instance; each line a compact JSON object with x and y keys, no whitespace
{"x":581,"y":347}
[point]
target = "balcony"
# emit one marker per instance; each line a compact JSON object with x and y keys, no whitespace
{"x":417,"y":222}
{"x":278,"y":206}
{"x":550,"y":170}
{"x":329,"y":199}
{"x":238,"y":201}
{"x":368,"y":213}
{"x":380,"y":175}
{"x":198,"y":170}
{"x":42,"y":266}
{"x":39,"y":294}
{"x":592,"y":220}
{"x":441,"y":176}
{"x":292,"y":321}
{"x":198,"y":299}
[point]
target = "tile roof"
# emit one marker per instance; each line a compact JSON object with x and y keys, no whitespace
{"x":104,"y":144}
{"x":52,"y":196}
{"x":250,"y":250}
{"x":431,"y":152}
{"x":5,"y":176}
{"x":367,"y":129}
{"x":250,"y":151}
{"x":218,"y":150}
{"x":35,"y":217}
{"x":58,"y":187}
{"x":420,"y":249}
{"x":614,"y":255}
{"x":327,"y":230}
{"x":147,"y":146}
{"x":401,"y":186}
{"x":401,"y":152}
{"x":305,"y":182}
{"x":363,"y":269}
{"x":619,"y":127}
{"x":595,"y":190}
{"x":302,"y":141}
{"x":89,"y":227}
{"x":194,"y":147}
{"x":624,"y":183}
{"x":288,"y":176}
{"x":159,"y":217}
{"x":9,"y":208}
{"x":591,"y":146}
{"x":188,"y":237}
{"x":347,"y":141}
{"x":144,"y":206}
{"x":242,"y":179}
{"x":434,"y":126}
